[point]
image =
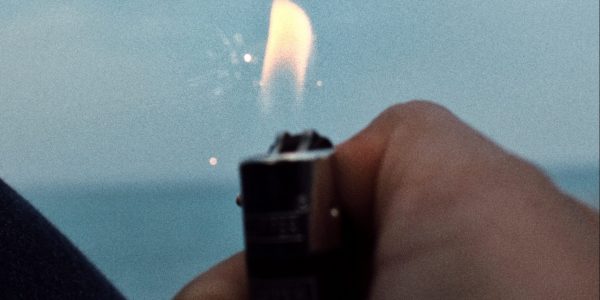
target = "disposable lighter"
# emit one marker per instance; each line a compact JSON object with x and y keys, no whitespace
{"x":292,"y":222}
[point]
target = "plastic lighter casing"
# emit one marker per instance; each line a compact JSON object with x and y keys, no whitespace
{"x":292,"y":222}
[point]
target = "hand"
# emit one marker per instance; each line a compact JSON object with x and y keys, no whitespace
{"x":448,"y":214}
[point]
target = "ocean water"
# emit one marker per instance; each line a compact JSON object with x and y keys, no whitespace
{"x":148,"y":239}
{"x":152,"y":238}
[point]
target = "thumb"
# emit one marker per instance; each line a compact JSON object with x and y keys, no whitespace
{"x":225,"y":281}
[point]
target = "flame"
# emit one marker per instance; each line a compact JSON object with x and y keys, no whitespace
{"x":289,"y":45}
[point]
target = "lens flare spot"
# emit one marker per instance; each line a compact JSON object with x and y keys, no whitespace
{"x":334,"y":212}
{"x":248,"y":58}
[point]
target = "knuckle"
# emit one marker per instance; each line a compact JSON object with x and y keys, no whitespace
{"x":423,"y":106}
{"x":417,"y":111}
{"x":428,"y":111}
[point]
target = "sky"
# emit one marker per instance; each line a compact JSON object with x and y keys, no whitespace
{"x":136,"y":91}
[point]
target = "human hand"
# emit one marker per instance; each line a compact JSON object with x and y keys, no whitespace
{"x":448,"y":214}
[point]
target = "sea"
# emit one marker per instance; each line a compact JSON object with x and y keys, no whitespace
{"x":151,"y":238}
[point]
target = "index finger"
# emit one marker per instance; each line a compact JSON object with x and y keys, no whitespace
{"x":407,"y":143}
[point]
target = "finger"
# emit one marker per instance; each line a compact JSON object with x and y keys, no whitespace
{"x":404,"y":146}
{"x":356,"y":166}
{"x":225,"y":281}
{"x":446,"y":205}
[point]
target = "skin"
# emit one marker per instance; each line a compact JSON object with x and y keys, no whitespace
{"x":445,"y":213}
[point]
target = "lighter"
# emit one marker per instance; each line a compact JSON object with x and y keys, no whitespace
{"x":292,"y":222}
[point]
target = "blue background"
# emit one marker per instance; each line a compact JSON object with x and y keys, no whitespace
{"x":110,"y":111}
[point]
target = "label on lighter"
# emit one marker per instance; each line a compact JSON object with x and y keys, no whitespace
{"x":280,"y":227}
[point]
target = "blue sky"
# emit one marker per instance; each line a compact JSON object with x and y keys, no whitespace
{"x":112,"y":92}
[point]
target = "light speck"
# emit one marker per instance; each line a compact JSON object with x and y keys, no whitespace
{"x":222,"y":74}
{"x":334,"y":212}
{"x":248,"y":58}
{"x":225,"y":41}
{"x":234,"y":58}
{"x":218,"y":91}
{"x":238,"y":39}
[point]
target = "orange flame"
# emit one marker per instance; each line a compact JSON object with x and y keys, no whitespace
{"x":289,"y":44}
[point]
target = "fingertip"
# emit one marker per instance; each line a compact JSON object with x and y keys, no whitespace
{"x":227,"y":280}
{"x":358,"y":160}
